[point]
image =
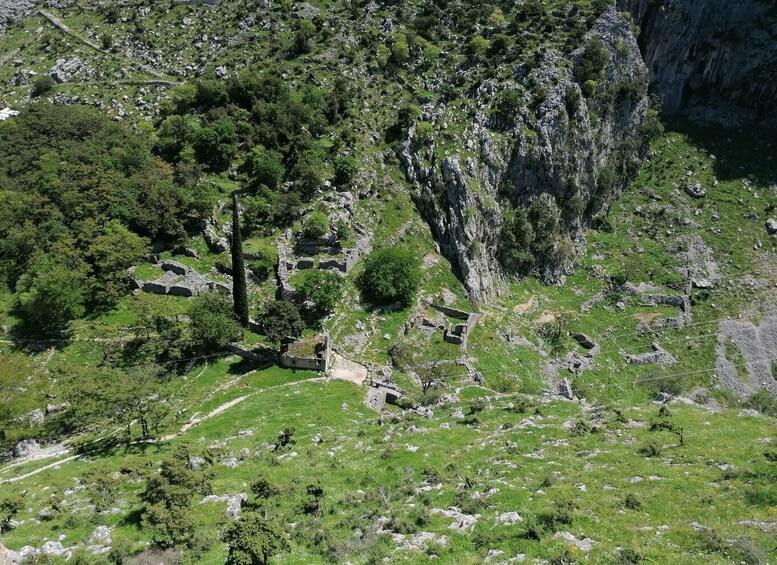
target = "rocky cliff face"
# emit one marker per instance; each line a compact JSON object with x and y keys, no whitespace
{"x":558,"y":149}
{"x":714,"y":59}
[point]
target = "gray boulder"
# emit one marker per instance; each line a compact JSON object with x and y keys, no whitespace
{"x":771,"y":226}
{"x":26,"y":448}
{"x":695,"y":190}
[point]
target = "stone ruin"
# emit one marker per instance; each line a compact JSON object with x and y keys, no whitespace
{"x":456,"y":334}
{"x":303,"y":254}
{"x":309,"y":353}
{"x":381,"y":390}
{"x":179,"y":280}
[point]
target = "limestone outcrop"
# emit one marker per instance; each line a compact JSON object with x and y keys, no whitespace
{"x":560,"y":148}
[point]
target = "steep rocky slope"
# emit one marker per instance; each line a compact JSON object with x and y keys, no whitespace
{"x":561,"y":147}
{"x":715,"y":60}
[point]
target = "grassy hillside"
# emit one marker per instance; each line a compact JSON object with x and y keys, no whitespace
{"x":300,"y":109}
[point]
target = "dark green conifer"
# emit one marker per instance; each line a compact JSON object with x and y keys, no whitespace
{"x":239,"y":288}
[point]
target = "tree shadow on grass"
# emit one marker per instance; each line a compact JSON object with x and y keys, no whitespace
{"x":265,"y":358}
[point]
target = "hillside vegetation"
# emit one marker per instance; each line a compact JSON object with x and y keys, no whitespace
{"x":571,"y":301}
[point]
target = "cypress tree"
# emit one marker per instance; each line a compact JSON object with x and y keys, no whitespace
{"x":239,"y":288}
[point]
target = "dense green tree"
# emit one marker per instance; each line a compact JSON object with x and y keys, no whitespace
{"x":592,"y":61}
{"x":42,"y":85}
{"x":323,"y":288}
{"x":306,"y":30}
{"x":112,"y":252}
{"x":264,"y":168}
{"x":216,"y":145}
{"x":279,"y":320}
{"x":391,"y":274}
{"x":239,"y":286}
{"x":253,"y":540}
{"x":316,"y":225}
{"x":167,"y":499}
{"x":139,"y":395}
{"x":173,"y":134}
{"x":213,"y":323}
{"x":516,"y":243}
{"x":309,"y":172}
{"x":50,"y":295}
{"x":345,"y":170}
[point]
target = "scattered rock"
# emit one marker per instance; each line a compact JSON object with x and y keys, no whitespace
{"x":26,"y":448}
{"x":509,"y":518}
{"x":101,"y":536}
{"x":585,"y":544}
{"x":56,"y":408}
{"x":234,"y":502}
{"x":461,"y":522}
{"x":771,"y":226}
{"x":34,"y":418}
{"x":695,"y":190}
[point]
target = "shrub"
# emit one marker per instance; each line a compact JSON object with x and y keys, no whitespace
{"x":279,"y":320}
{"x":589,"y":88}
{"x":592,"y":61}
{"x":263,"y":264}
{"x":508,"y":103}
{"x":324,"y":289}
{"x":253,"y":540}
{"x":345,"y":170}
{"x":764,"y":402}
{"x":391,"y":274}
{"x":264,"y":168}
{"x":42,"y":85}
{"x":632,"y":502}
{"x":477,"y":46}
{"x":425,"y":131}
{"x":316,"y":226}
{"x":213,"y":324}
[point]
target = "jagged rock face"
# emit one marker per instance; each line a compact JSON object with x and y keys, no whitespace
{"x":553,"y":152}
{"x":714,"y":59}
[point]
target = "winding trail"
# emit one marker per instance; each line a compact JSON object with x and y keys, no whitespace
{"x":193,"y":422}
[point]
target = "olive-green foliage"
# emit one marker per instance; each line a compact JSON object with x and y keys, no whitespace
{"x":167,"y":498}
{"x":80,"y":189}
{"x":253,"y":540}
{"x":270,"y":209}
{"x":316,"y":225}
{"x":111,"y":395}
{"x":764,"y":402}
{"x":213,"y":324}
{"x":50,"y":295}
{"x":264,"y":261}
{"x":265,"y":168}
{"x":279,"y":320}
{"x":261,"y":110}
{"x":508,"y":104}
{"x":323,"y":288}
{"x":345,"y":170}
{"x":592,"y":61}
{"x":103,"y":489}
{"x":391,"y":274}
{"x":42,"y":85}
{"x":515,"y":243}
{"x":216,"y":144}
